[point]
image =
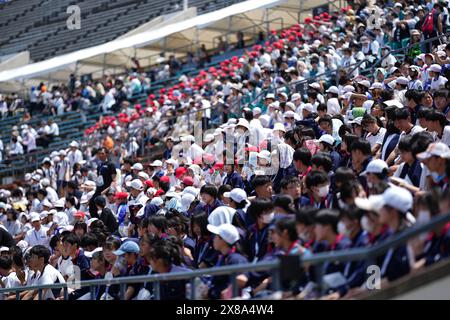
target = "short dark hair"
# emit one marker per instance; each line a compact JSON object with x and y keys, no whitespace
{"x":287,"y":181}
{"x":413,"y":94}
{"x":89,"y":239}
{"x":260,"y":180}
{"x":72,"y":238}
{"x":434,"y":115}
{"x":200,"y":218}
{"x":402,"y":114}
{"x":6,"y":262}
{"x":303,"y":155}
{"x":328,"y":217}
{"x":344,"y":174}
{"x":326,"y":118}
{"x":41,"y":252}
{"x":306,"y":215}
{"x":159,"y":221}
{"x":315,"y":178}
{"x":289,"y":225}
{"x":209,"y":189}
{"x":258,"y":206}
{"x":361,"y":145}
{"x":100,"y":201}
{"x":322,"y":159}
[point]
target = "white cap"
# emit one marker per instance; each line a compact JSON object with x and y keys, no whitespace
{"x":270,"y":96}
{"x":192,"y":190}
{"x":47,"y":203}
{"x":137,"y":166}
{"x":256,"y":111}
{"x":43,"y":214}
{"x":315,"y":85}
{"x":187,"y":138}
{"x":333,"y":89}
{"x":45,"y":182}
{"x":438,"y":149}
{"x":136,"y":184}
{"x":186,"y":200}
{"x":326,"y":138}
{"x":279,"y":126}
{"x":208,"y":138}
{"x":296,"y":96}
{"x":289,"y":114}
{"x":265,"y":154}
{"x":143,"y":175}
{"x":89,"y":222}
{"x":376,"y":85}
{"x":308,"y":107}
{"x":398,"y":198}
{"x":348,"y":88}
{"x":402,"y":80}
{"x":290,"y":105}
{"x":60,"y":203}
{"x":356,"y":120}
{"x":243,"y":123}
{"x":27,"y":177}
{"x":172,"y":161}
{"x":62,"y":153}
{"x":74,"y":144}
{"x":156,"y":163}
{"x":4,"y":249}
{"x":221,"y":215}
{"x":435,"y":68}
{"x":157,"y":201}
{"x":365,"y":83}
{"x":88,"y":184}
{"x":34,"y":216}
{"x":237,"y":195}
{"x":227,"y":232}
{"x":375,"y":166}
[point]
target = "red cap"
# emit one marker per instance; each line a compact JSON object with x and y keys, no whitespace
{"x":79,"y":214}
{"x":121,"y":195}
{"x":218,"y":165}
{"x":252,"y":149}
{"x":188,"y":181}
{"x":159,"y":192}
{"x":180,"y":171}
{"x":164,"y":179}
{"x":149,"y":183}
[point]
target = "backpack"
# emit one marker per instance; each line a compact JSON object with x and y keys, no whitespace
{"x":428,"y":23}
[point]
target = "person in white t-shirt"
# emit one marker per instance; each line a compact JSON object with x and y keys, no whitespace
{"x":39,"y":235}
{"x":8,"y":278}
{"x":375,"y":133}
{"x":45,"y":273}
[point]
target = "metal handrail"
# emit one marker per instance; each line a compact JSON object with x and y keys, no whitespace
{"x":274,"y":266}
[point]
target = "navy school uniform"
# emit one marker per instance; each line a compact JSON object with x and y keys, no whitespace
{"x":189,"y":243}
{"x":140,"y":268}
{"x":170,"y":290}
{"x":204,"y":252}
{"x":340,"y":243}
{"x":309,"y":201}
{"x":437,"y":247}
{"x":395,"y":263}
{"x":234,"y":180}
{"x":82,"y":262}
{"x":257,"y":242}
{"x":220,"y":283}
{"x":355,"y":271}
{"x":209,"y":208}
{"x":244,"y":218}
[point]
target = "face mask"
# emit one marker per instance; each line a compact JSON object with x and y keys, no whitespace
{"x":342,"y":229}
{"x":366,"y":224}
{"x":267,"y":218}
{"x":304,"y":236}
{"x":423,"y":217}
{"x":436,"y":177}
{"x":369,"y":184}
{"x":323,"y":191}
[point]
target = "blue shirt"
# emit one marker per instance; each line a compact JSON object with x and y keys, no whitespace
{"x":234,"y":180}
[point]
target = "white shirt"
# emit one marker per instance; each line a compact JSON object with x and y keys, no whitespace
{"x":423,"y":175}
{"x":52,"y":196}
{"x":438,"y":83}
{"x":49,"y":276}
{"x":54,"y":129}
{"x":74,"y":157}
{"x":376,"y":139}
{"x":445,"y":136}
{"x":34,"y":237}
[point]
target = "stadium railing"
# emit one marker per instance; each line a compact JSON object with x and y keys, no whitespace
{"x":319,"y":259}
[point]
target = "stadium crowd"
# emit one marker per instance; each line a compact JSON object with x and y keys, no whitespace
{"x":281,"y":169}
